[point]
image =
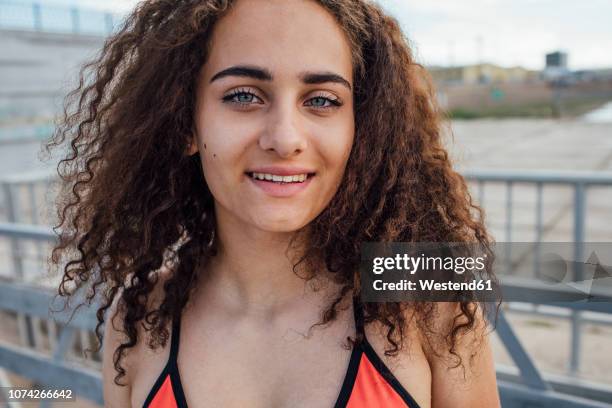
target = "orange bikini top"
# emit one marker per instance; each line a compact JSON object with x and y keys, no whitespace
{"x":368,"y":382}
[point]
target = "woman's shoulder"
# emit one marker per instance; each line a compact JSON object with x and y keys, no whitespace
{"x":470,"y":383}
{"x":424,"y":366}
{"x":416,"y":343}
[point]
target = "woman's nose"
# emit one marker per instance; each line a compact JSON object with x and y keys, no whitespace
{"x":283,"y":134}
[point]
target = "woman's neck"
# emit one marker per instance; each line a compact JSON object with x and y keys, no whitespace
{"x":253,"y":270}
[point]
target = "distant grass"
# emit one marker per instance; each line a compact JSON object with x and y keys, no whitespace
{"x":581,"y":106}
{"x":568,"y":108}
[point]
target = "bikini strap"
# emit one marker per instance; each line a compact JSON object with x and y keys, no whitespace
{"x":175,"y":339}
{"x":358,"y":315}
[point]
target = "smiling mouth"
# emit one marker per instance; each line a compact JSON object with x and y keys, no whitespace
{"x":276,"y":179}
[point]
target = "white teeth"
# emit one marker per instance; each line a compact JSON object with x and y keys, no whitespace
{"x":296,"y":178}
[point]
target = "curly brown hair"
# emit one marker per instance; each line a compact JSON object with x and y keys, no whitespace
{"x":134,"y":202}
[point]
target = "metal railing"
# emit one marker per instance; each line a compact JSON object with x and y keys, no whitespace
{"x":524,"y":386}
{"x":49,"y":370}
{"x":35,"y":16}
{"x":579,"y":182}
{"x":37,"y":304}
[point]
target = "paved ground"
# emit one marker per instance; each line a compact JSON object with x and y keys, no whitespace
{"x":548,"y":341}
{"x":538,"y":145}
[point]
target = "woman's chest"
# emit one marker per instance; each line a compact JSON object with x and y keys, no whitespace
{"x":291,"y":368}
{"x":265,"y":373}
{"x":246,"y":366}
{"x":268,"y":377}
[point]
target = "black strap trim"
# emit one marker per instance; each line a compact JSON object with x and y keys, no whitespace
{"x":171,"y":369}
{"x":350,"y":377}
{"x":175,"y":377}
{"x":156,"y":386}
{"x":382,"y":368}
{"x":175,"y":339}
{"x":353,"y":366}
{"x":378,"y":363}
{"x":177,"y":387}
{"x":358,"y":315}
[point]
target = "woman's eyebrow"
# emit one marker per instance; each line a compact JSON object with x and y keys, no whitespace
{"x":265,"y":75}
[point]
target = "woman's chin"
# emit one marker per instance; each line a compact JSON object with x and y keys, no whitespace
{"x":280,"y":224}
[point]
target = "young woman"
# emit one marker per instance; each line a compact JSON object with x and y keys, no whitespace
{"x":227,"y":159}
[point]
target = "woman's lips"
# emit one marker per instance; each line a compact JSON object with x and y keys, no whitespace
{"x":277,"y":189}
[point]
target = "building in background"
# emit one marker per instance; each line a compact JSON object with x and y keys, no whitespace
{"x":556,"y":66}
{"x":482,"y":74}
{"x":557,"y":59}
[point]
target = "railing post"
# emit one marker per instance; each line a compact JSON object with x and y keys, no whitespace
{"x":538,"y":231}
{"x":508,"y":251}
{"x":24,"y":322}
{"x":34,"y":216}
{"x":579,"y":222}
{"x":11,"y":215}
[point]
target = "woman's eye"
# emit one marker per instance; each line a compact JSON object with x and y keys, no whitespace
{"x":241,"y":98}
{"x":324,"y":102}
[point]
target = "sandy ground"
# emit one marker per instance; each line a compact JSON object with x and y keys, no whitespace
{"x":547,"y":340}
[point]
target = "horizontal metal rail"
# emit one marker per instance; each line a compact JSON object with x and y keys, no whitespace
{"x":557,"y":313}
{"x":26,"y":231}
{"x":541,"y":176}
{"x":528,"y":290}
{"x":43,"y":303}
{"x":35,"y":176}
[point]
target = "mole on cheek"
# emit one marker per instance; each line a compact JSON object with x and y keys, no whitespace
{"x":214,"y":155}
{"x":204,"y":145}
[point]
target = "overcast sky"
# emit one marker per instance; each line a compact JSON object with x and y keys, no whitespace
{"x":505,"y":32}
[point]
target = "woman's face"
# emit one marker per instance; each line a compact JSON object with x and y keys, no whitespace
{"x":275,"y":101}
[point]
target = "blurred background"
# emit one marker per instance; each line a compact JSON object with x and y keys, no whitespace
{"x":527,"y":85}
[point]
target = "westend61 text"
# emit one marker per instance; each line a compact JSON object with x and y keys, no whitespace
{"x":430,"y":284}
